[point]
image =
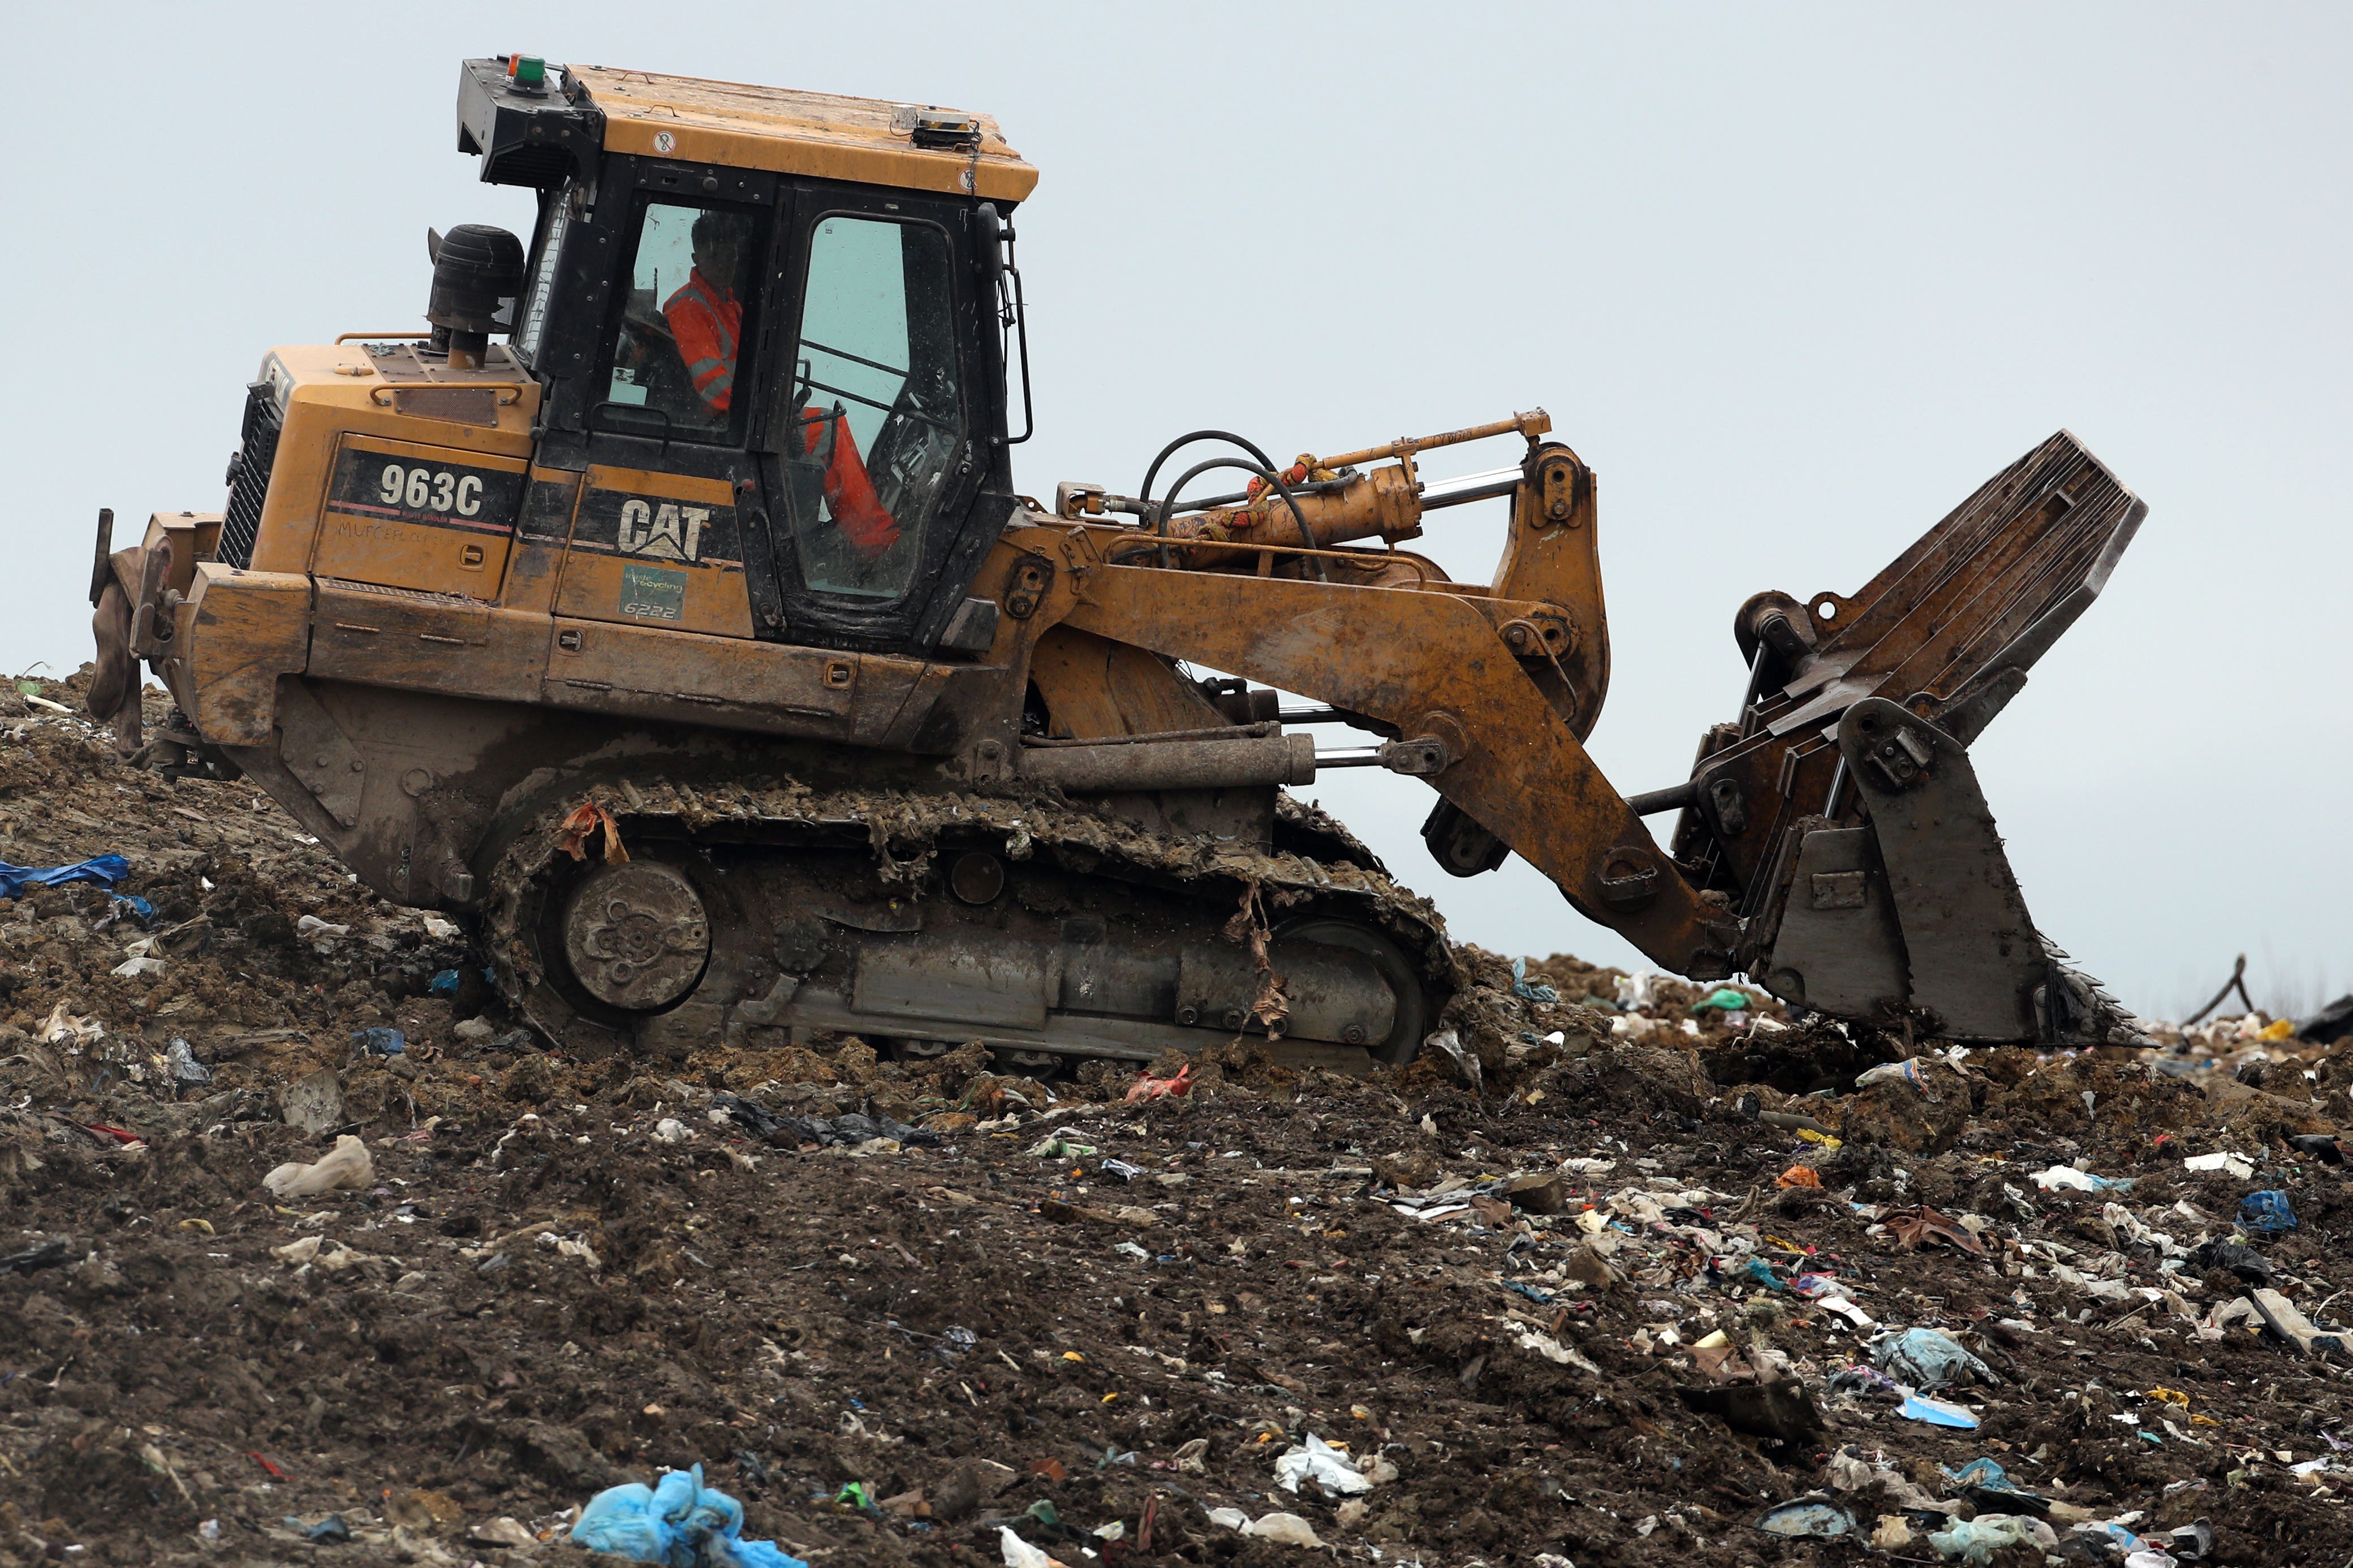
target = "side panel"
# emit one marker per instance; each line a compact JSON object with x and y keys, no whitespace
{"x":402,"y":515}
{"x":659,"y":550}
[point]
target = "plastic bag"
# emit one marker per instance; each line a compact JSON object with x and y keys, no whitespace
{"x":1977,"y":1540}
{"x":346,"y":1164}
{"x":681,"y":1522}
{"x":1538,"y":992}
{"x":1925,"y":1358}
{"x":2266,"y":1211}
{"x":1324,"y":1463}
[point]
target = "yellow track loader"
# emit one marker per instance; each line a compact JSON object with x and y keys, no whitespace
{"x":666,"y":605}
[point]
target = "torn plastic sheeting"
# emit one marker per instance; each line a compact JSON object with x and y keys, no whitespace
{"x":681,"y":1520}
{"x":1975,"y":1541}
{"x":2266,"y":1211}
{"x":1319,"y":1460}
{"x":379,"y":1042}
{"x":1816,"y":1517}
{"x":2221,"y":1159}
{"x":186,"y":1071}
{"x":347,"y":1164}
{"x":1019,"y":1553}
{"x":1724,"y":999}
{"x":1286,"y":1528}
{"x":1539,"y":991}
{"x":1149,"y":1088}
{"x":848,"y":1131}
{"x":2237,"y":1257}
{"x":1936,"y":1413}
{"x":104,"y":869}
{"x":2068,"y":1178}
{"x":1905,"y":1071}
{"x":1925,"y":1358}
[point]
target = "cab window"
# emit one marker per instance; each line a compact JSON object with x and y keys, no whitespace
{"x":872,"y":430}
{"x":683,"y":348}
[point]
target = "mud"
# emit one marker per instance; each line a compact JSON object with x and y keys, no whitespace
{"x":565,"y":1274}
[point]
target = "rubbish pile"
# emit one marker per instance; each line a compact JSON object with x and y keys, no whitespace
{"x":308,"y":1259}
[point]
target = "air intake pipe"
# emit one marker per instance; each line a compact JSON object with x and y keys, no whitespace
{"x":477,"y":272}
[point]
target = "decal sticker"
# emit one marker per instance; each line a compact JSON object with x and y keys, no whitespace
{"x":389,"y":488}
{"x":656,"y":593}
{"x":658,"y":528}
{"x":669,"y":530}
{"x":664,"y":142}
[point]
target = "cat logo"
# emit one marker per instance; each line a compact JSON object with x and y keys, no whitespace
{"x":669,"y":532}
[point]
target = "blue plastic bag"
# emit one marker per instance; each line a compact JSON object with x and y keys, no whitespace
{"x":105,"y":870}
{"x":680,"y":1523}
{"x":2266,"y":1211}
{"x":1537,"y":992}
{"x":443,"y":983}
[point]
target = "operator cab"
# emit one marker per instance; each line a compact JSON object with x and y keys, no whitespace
{"x":766,"y":328}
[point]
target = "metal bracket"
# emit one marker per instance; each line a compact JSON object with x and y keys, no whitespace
{"x":318,"y":753}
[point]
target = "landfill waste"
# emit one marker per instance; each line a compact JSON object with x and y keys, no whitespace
{"x":748,"y":1294}
{"x":1927,"y":1359}
{"x":2266,"y":1212}
{"x":2323,"y":1147}
{"x":103,"y":869}
{"x":1817,"y":1517}
{"x":1019,"y":1553}
{"x":1905,"y":1071}
{"x":1285,"y":1529}
{"x":503,"y":1531}
{"x":2220,"y":1160}
{"x":329,"y":1531}
{"x":675,"y":1520}
{"x":2236,"y":1258}
{"x":1975,"y":1541}
{"x":1148,"y":1088}
{"x":51,"y":1254}
{"x":2067,"y":1178}
{"x":379,"y":1042}
{"x":186,"y":1071}
{"x":347,"y":1164}
{"x":1936,"y":1413}
{"x":1318,"y":1460}
{"x":849,"y":1130}
{"x":1536,"y":991}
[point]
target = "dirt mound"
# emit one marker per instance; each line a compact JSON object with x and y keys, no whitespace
{"x":1602,"y":1284}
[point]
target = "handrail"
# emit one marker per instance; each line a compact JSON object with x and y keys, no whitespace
{"x":517,"y":387}
{"x":356,"y":337}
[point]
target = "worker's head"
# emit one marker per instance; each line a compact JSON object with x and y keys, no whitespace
{"x":719,"y":245}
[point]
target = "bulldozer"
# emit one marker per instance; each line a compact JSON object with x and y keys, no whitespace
{"x":665,"y":606}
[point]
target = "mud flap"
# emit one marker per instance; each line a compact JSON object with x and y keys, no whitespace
{"x":1974,"y":958}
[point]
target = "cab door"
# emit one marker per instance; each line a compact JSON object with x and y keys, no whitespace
{"x":874,"y":445}
{"x":669,"y":502}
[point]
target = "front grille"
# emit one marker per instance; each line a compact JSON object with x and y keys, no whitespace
{"x":248,"y":474}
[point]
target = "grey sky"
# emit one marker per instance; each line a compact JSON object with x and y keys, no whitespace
{"x":1793,"y":280}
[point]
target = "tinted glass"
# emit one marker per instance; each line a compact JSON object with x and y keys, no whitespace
{"x":682,"y":345}
{"x":873,"y":428}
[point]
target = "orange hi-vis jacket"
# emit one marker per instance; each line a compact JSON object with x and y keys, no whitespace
{"x":858,"y":511}
{"x":706,"y":319}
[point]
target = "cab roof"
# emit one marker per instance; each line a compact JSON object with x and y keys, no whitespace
{"x":552,"y":124}
{"x":789,"y":131}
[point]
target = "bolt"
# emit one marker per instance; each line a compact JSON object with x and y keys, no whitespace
{"x":1516,"y":638}
{"x":1188,"y":1015}
{"x":1353,"y":1035}
{"x":1233,"y":1018}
